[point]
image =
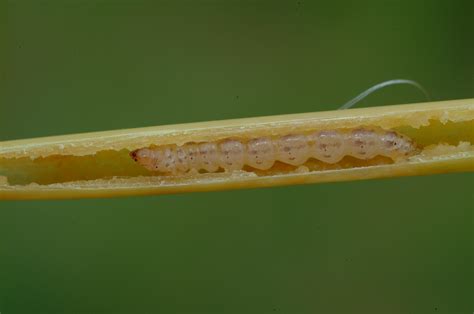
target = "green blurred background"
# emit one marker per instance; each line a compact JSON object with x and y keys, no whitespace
{"x":386,"y":246}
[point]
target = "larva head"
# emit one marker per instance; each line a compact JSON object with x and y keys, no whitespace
{"x":144,"y":157}
{"x":133,"y":154}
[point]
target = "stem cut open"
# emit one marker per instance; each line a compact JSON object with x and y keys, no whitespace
{"x":98,"y":164}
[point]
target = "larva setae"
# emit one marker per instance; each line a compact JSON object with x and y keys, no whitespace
{"x":261,"y":153}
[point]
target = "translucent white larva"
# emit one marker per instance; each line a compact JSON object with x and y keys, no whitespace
{"x":261,"y":153}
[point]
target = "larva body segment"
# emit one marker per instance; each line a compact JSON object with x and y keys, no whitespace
{"x":261,"y":153}
{"x":363,"y":144}
{"x":194,"y":157}
{"x":293,"y":149}
{"x":182,"y":163}
{"x":233,"y":154}
{"x":168,"y":163}
{"x":209,"y":156}
{"x":328,"y":146}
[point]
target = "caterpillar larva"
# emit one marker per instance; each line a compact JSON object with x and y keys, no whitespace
{"x":261,"y":153}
